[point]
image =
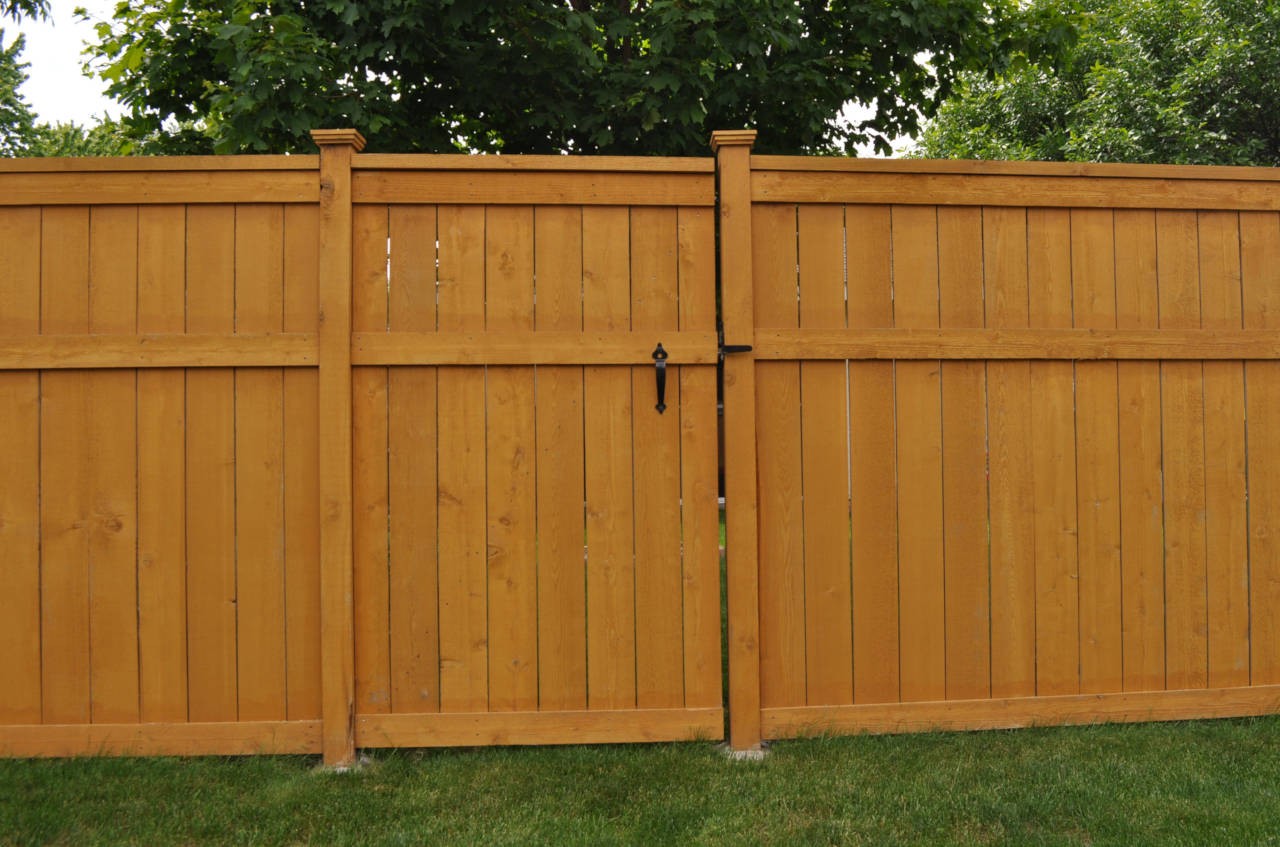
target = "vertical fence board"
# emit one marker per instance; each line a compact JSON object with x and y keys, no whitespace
{"x":699,"y":514}
{"x":411,"y":442}
{"x":964,"y":462}
{"x":260,"y":541}
{"x":562,"y":610}
{"x":1226,"y":496}
{"x":1182,"y":405}
{"x":1013,"y":587}
{"x":369,"y":465}
{"x":1097,"y":457}
{"x":919,"y":410}
{"x":824,"y":460}
{"x":162,"y":472}
{"x":301,"y":470}
{"x":211,"y":529}
{"x":873,"y":463}
{"x":656,"y":458}
{"x":1053,"y":463}
{"x":1260,"y":284}
{"x":20,"y":468}
{"x":782,"y":567}
{"x":464,"y":649}
{"x":113,"y":538}
{"x":512,"y":490}
{"x":1141,"y":474}
{"x":611,"y":634}
{"x":65,"y":493}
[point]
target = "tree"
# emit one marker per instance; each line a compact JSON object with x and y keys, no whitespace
{"x":17,"y":8}
{"x":22,"y":135}
{"x":1175,"y":81}
{"x":586,"y":76}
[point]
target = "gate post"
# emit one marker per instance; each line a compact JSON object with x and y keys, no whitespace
{"x":733,"y":164}
{"x":337,"y":621}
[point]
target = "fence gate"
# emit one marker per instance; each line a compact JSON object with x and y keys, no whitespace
{"x":535,"y":521}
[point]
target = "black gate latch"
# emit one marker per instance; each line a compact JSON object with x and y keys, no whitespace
{"x":730,"y":348}
{"x":660,"y":365}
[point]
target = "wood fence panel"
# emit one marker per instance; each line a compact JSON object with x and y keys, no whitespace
{"x":1260,"y":284}
{"x":873,"y":465}
{"x":964,"y":462}
{"x":20,"y":520}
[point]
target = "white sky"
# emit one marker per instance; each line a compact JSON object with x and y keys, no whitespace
{"x":57,"y":88}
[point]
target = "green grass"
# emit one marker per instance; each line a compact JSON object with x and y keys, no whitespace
{"x":1211,"y":782}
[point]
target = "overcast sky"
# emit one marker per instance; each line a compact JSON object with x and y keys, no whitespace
{"x":56,"y":87}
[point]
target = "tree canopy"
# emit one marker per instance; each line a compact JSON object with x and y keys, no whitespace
{"x":538,"y":76}
{"x":1173,"y":81}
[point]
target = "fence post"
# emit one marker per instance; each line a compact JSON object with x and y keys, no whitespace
{"x":733,"y":163}
{"x":337,"y":622}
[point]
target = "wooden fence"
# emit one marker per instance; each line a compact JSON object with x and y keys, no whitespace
{"x":309,"y":453}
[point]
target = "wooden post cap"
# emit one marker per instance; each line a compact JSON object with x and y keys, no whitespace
{"x":324,"y":137}
{"x":732,"y":137}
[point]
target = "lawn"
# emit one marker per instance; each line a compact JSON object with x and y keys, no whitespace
{"x":1207,"y":782}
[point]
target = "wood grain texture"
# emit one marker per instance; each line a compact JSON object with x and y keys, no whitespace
{"x":1260,"y":284}
{"x":824,"y":463}
{"x":964,"y":463}
{"x":113,"y":536}
{"x":411,"y":445}
{"x":1053,"y":466}
{"x":498,"y":188}
{"x":561,"y":493}
{"x":510,"y":456}
{"x":227,"y":738}
{"x":610,"y":527}
{"x":594,"y":726}
{"x":20,"y":525}
{"x":1098,"y":501}
{"x":922,"y":625}
{"x":1141,"y":489}
{"x":107,"y":188}
{"x":781,"y":534}
{"x":1013,"y":627}
{"x":1226,"y":495}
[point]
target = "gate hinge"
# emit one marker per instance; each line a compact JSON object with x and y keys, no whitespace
{"x":730,"y":348}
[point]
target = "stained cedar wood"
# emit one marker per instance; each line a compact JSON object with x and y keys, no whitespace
{"x":1260,"y":284}
{"x":598,"y":726}
{"x":873,"y":463}
{"x":1053,"y":460}
{"x":607,"y":412}
{"x":1097,"y":457}
{"x":699,"y":450}
{"x":301,"y":470}
{"x":106,"y":188}
{"x":1182,"y":405}
{"x":369,"y":466}
{"x":113,"y":534}
{"x":824,"y":460}
{"x":656,"y":458}
{"x":920,"y":167}
{"x":562,"y":611}
{"x":222,"y":738}
{"x":260,"y":530}
{"x":782,"y":567}
{"x":510,"y":455}
{"x":1012,"y":713}
{"x":1226,"y":504}
{"x":20,"y":468}
{"x":1013,"y":630}
{"x":162,"y":501}
{"x":65,"y":502}
{"x":921,"y":603}
{"x":964,"y":463}
{"x":499,"y":188}
{"x":1141,"y":493}
{"x":210,"y":450}
{"x":521,"y":347}
{"x":1012,"y":191}
{"x":460,"y":468}
{"x":411,"y":443}
{"x":560,"y":164}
